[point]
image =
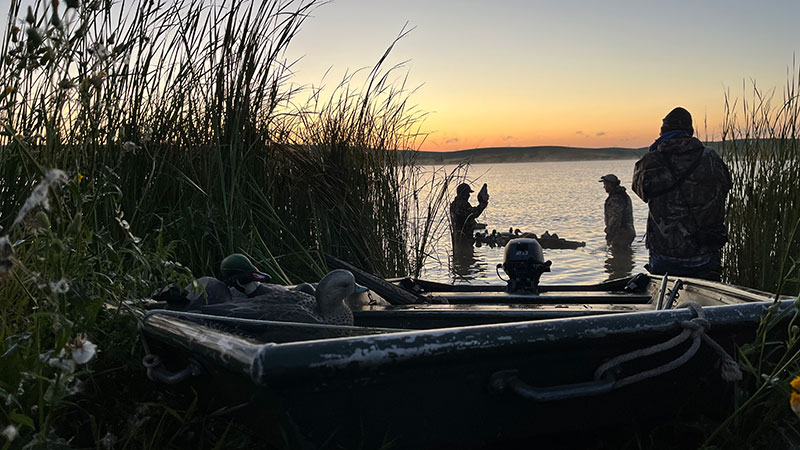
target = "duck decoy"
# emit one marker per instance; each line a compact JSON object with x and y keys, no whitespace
{"x":204,"y":290}
{"x":238,"y":272}
{"x":279,"y":303}
{"x":245,"y":279}
{"x":207,"y":290}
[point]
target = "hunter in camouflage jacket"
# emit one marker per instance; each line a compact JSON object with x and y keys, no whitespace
{"x":463,"y":216}
{"x":618,"y":213}
{"x":685,"y":185}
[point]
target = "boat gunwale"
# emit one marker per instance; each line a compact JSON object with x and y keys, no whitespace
{"x":348,"y":356}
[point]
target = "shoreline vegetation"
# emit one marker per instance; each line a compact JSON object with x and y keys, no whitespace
{"x":501,"y":155}
{"x":555,"y":153}
{"x":141,"y":142}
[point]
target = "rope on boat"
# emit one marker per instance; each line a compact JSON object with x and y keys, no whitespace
{"x":694,"y":329}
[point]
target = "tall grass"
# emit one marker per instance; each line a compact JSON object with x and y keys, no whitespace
{"x":181,"y":139}
{"x":760,"y":145}
{"x":186,"y":108}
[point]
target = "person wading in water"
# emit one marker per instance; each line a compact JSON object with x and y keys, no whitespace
{"x":618,"y":213}
{"x":463,"y":216}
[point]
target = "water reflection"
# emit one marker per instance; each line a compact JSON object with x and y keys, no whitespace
{"x":464,"y":263}
{"x":619,"y":263}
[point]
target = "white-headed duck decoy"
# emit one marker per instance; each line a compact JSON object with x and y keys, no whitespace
{"x":326,"y":306}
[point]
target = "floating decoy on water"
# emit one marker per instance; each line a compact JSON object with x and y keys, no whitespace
{"x":327,"y":306}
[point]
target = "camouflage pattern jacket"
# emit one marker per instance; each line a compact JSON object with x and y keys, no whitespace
{"x":463,"y":216}
{"x":619,"y":217}
{"x":685,"y":185}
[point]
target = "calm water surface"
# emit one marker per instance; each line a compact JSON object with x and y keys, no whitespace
{"x":561,"y":197}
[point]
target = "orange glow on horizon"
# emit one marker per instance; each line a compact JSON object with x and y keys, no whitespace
{"x":501,"y":76}
{"x":571,"y":130}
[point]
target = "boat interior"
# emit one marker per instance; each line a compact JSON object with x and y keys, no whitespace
{"x":428,"y":305}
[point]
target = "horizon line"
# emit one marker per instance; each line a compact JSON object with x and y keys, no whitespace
{"x":532,"y":146}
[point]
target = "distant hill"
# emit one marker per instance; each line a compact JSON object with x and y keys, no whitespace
{"x":498,"y":155}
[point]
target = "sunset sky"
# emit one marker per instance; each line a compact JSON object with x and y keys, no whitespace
{"x":582,"y":73}
{"x":574,"y":72}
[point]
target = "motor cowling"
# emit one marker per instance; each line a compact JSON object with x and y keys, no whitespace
{"x":524,"y":264}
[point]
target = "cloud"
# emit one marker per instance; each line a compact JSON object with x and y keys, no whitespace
{"x":508,"y":138}
{"x":601,"y":133}
{"x":579,"y":132}
{"x":451,"y":141}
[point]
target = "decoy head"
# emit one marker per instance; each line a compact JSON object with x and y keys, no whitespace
{"x":238,"y":271}
{"x":335,"y":287}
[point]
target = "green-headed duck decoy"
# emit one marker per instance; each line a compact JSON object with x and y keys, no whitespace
{"x":279,"y":303}
{"x":238,"y":272}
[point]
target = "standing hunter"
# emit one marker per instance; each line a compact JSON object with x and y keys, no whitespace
{"x":684,"y":185}
{"x":618,"y":213}
{"x":463,"y":216}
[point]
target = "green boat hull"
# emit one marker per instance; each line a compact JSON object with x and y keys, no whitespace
{"x":486,"y":369}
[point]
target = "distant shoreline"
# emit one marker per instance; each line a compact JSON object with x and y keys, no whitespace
{"x":501,"y":155}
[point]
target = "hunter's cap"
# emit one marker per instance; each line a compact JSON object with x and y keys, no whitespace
{"x":611,"y":178}
{"x":677,"y":119}
{"x":463,"y":187}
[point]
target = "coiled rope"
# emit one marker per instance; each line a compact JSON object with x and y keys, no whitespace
{"x":694,"y":329}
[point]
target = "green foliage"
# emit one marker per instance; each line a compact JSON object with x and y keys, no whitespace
{"x":763,"y":417}
{"x":69,"y":285}
{"x":760,"y":145}
{"x":179,"y":140}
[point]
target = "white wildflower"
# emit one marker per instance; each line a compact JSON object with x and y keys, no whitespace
{"x":62,"y":362}
{"x":84,"y":353}
{"x":79,"y":350}
{"x":129,"y":146}
{"x":99,"y":50}
{"x":10,"y":433}
{"x":39,"y":196}
{"x":59,"y":287}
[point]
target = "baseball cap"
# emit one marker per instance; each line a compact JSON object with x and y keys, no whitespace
{"x":611,"y":178}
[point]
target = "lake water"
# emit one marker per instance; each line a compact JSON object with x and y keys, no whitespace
{"x":561,"y":197}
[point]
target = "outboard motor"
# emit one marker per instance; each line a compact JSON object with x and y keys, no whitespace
{"x":524,"y":264}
